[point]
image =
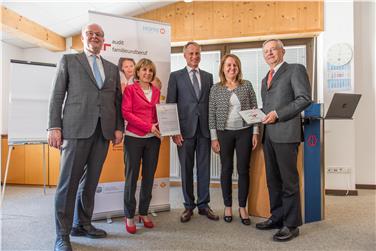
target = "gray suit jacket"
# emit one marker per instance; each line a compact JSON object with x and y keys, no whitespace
{"x":76,"y":102}
{"x":192,"y":111}
{"x":289,"y":94}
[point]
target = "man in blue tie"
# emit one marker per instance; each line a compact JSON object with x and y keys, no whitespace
{"x":84,"y":115}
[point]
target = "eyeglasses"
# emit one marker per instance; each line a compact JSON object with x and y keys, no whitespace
{"x":92,"y":33}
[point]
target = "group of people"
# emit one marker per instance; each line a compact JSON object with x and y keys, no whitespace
{"x":89,"y":104}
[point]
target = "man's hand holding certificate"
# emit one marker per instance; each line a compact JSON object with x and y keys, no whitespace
{"x":252,"y":116}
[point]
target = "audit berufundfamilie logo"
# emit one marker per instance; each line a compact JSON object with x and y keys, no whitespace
{"x":120,"y":46}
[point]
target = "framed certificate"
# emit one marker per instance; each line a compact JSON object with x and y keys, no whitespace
{"x":168,"y":119}
{"x":252,"y":116}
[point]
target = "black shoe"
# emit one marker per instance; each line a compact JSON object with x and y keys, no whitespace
{"x":286,"y":234}
{"x":88,"y":231}
{"x":209,"y":213}
{"x":63,"y":243}
{"x":186,"y":215}
{"x":268,"y":224}
{"x":244,"y":221}
{"x":227,"y":218}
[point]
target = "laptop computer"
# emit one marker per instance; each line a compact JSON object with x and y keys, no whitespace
{"x":343,"y":106}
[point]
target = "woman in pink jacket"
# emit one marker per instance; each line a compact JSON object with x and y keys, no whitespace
{"x":141,"y":142}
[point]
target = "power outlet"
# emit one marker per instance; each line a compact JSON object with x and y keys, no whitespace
{"x":339,"y":170}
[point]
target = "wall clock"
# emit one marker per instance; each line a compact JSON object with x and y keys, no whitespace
{"x":339,"y":54}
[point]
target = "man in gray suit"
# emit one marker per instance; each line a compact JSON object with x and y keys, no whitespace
{"x":84,"y":115}
{"x":285,"y":93}
{"x":190,"y":88}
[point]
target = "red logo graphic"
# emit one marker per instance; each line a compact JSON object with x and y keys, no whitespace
{"x":162,"y":31}
{"x":312,"y":140}
{"x":105,"y":46}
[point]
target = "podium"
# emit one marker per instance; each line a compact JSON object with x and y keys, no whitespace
{"x":342,"y":106}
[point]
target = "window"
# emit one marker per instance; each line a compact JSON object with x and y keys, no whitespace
{"x":209,"y":62}
{"x":255,"y":69}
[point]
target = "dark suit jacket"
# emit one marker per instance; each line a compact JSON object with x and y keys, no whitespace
{"x":75,"y":87}
{"x":191,"y":110}
{"x":289,"y":94}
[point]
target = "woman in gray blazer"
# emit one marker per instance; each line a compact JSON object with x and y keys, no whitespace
{"x":229,"y":132}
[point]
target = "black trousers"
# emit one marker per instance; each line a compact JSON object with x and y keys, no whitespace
{"x":283,"y":181}
{"x":241,"y":142}
{"x":137,"y":149}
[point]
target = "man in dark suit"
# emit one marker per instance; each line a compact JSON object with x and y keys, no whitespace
{"x":285,"y":93}
{"x":190,"y":88}
{"x":84,"y":115}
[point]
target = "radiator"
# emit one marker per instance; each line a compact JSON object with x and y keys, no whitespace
{"x":215,"y":165}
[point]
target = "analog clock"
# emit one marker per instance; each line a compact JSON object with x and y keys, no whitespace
{"x":339,"y":54}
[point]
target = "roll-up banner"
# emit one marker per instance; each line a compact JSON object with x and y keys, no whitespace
{"x":127,"y":37}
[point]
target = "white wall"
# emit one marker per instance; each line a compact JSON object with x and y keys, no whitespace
{"x":349,"y":144}
{"x":12,"y":52}
{"x":8,"y":52}
{"x":364,"y":47}
{"x":42,"y":55}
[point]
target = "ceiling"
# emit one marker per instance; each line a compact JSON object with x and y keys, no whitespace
{"x":67,"y":17}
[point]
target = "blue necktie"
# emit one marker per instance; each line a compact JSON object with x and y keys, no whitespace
{"x":97,"y":73}
{"x":195,"y":83}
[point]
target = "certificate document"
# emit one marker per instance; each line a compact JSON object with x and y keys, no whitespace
{"x":252,"y":116}
{"x":168,"y":119}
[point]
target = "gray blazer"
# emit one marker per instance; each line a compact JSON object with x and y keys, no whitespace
{"x":289,"y":94}
{"x":192,"y":111}
{"x":219,"y":102}
{"x":76,"y":102}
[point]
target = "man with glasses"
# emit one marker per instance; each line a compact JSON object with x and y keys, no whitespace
{"x":285,"y":93}
{"x":84,"y":115}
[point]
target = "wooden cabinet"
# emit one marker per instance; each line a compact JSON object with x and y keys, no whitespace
{"x":34,"y":173}
{"x":16,"y":173}
{"x":26,"y":164}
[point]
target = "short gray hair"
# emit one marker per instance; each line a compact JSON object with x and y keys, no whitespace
{"x":191,"y":43}
{"x":90,"y":24}
{"x":279,"y":42}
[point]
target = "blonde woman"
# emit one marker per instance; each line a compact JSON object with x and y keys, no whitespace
{"x":141,"y":142}
{"x":229,"y":132}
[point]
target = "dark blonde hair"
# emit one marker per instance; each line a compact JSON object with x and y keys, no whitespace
{"x":144,"y":62}
{"x":239,"y":77}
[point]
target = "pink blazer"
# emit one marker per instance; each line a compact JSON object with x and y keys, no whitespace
{"x":137,"y":110}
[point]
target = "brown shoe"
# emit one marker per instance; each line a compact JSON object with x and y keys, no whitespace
{"x":208,"y":212}
{"x":186,"y":215}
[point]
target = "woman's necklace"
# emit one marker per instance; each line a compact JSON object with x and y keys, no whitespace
{"x":147,"y":91}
